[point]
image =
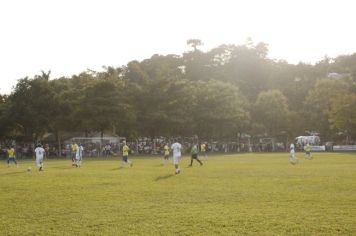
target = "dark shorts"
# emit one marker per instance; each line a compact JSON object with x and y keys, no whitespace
{"x":307,"y":153}
{"x":166,"y":157}
{"x":11,"y":159}
{"x":194,"y":156}
{"x":125,"y":158}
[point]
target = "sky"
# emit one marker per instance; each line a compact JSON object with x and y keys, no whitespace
{"x":71,"y":36}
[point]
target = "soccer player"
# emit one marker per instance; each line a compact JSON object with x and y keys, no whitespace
{"x":307,"y":149}
{"x":194,"y":155}
{"x":11,"y":155}
{"x":79,"y":155}
{"x":125,"y":155}
{"x":177,"y":154}
{"x":203,"y":150}
{"x":39,"y":156}
{"x":166,"y":153}
{"x":73,"y":149}
{"x":293,"y":160}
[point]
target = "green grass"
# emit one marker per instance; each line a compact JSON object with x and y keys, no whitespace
{"x":244,"y":194}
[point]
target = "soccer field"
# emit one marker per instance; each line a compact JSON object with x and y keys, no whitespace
{"x":243,"y":194}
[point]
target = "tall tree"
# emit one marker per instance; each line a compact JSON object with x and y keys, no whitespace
{"x":31,"y":107}
{"x":271,"y":110}
{"x":342,"y":115}
{"x":318,"y":104}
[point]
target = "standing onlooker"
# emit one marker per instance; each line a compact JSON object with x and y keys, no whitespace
{"x":46,"y":148}
{"x":107,"y":150}
{"x":177,"y":154}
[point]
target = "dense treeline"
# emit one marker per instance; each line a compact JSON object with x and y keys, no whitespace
{"x":228,"y":90}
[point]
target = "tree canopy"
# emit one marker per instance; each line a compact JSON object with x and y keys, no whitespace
{"x":218,"y":93}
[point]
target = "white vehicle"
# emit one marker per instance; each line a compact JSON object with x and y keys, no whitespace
{"x":303,"y":140}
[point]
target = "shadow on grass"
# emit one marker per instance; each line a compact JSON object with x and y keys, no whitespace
{"x":118,"y":168}
{"x":162,"y":177}
{"x":62,"y":167}
{"x":159,"y":165}
{"x":13,"y":173}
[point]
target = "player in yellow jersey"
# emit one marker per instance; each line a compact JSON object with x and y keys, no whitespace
{"x":73,"y":151}
{"x":125,"y":155}
{"x":166,"y":153}
{"x":307,"y":149}
{"x":203,"y":150}
{"x":11,"y":155}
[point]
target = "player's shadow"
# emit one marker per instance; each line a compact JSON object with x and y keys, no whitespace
{"x":62,"y":167}
{"x":12,"y":173}
{"x":162,"y":177}
{"x":118,"y":168}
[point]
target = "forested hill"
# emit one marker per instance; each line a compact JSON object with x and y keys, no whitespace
{"x":228,"y":90}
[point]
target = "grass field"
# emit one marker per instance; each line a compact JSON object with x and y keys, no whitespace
{"x":244,"y":194}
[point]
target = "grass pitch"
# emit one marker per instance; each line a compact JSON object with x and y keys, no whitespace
{"x":243,"y":194}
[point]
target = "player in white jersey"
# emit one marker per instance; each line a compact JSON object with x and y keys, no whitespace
{"x":39,"y":156}
{"x":177,"y":154}
{"x":292,"y":158}
{"x":79,"y":155}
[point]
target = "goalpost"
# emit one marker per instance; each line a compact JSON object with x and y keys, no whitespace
{"x":94,"y":146}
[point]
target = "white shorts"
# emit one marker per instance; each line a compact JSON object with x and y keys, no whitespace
{"x":78,"y":158}
{"x":38,"y":161}
{"x":291,"y":155}
{"x":176,"y":160}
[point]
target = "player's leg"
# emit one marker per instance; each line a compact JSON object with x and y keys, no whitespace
{"x":291,"y":158}
{"x":39,"y":163}
{"x":176,"y":164}
{"x":73,"y":158}
{"x":124,"y":160}
{"x":198,"y":160}
{"x":129,"y":162}
{"x":191,"y":161}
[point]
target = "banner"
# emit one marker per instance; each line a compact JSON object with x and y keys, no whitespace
{"x":318,"y":148}
{"x":344,"y":148}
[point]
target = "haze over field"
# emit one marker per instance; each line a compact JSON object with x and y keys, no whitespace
{"x":67,"y":37}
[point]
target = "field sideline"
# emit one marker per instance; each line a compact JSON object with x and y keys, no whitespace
{"x":240,"y":194}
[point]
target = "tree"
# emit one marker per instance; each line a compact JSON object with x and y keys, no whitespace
{"x":194,"y":43}
{"x":271,"y":110}
{"x":102,"y":105}
{"x":318,"y":104}
{"x":30,"y":107}
{"x":218,"y":109}
{"x":342,"y":115}
{"x":7,"y":124}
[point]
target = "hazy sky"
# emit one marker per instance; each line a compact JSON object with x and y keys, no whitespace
{"x":69,"y":36}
